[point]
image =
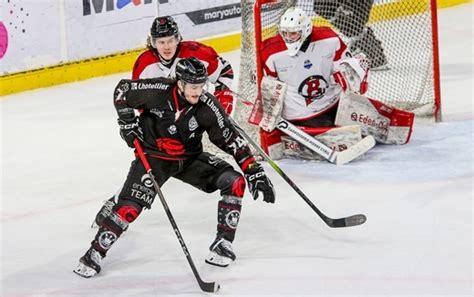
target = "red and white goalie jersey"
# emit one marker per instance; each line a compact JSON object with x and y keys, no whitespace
{"x":311,"y":88}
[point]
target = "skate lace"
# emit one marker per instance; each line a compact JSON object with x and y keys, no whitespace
{"x":226,"y":245}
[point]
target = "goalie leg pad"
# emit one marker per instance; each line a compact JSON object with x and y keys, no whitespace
{"x":386,"y":124}
{"x":337,"y":138}
{"x":271,"y":143}
{"x":273,"y":92}
{"x":278,"y":146}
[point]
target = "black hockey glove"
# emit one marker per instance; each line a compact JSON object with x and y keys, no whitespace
{"x":130,"y":129}
{"x":259,"y":182}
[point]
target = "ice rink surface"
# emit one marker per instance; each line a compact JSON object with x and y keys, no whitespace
{"x":61,"y":156}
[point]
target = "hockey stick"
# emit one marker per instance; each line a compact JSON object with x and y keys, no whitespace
{"x":205,"y":286}
{"x":350,"y":221}
{"x":333,"y":156}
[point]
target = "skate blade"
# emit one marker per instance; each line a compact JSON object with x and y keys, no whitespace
{"x":217,"y":260}
{"x":84,"y":271}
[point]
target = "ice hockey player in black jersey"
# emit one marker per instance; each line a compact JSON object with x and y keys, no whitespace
{"x":165,"y":48}
{"x":174,"y":115}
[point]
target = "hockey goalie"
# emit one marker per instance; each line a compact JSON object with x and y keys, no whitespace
{"x":315,"y":86}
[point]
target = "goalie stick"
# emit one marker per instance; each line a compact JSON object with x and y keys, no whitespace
{"x":205,"y":286}
{"x":350,"y":221}
{"x":333,"y":156}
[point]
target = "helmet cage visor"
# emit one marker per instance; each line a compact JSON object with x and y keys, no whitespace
{"x":291,"y":34}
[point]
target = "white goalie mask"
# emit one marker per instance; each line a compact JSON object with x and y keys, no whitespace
{"x":294,"y":27}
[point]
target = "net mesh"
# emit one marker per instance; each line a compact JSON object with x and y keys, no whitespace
{"x":395,"y":35}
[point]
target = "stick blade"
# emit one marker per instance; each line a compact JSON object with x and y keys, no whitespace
{"x":355,"y":151}
{"x":351,"y":221}
{"x":209,"y":287}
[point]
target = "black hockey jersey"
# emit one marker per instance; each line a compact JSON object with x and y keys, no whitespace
{"x":172,"y":127}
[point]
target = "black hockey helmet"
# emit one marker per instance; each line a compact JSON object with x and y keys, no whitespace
{"x":191,"y":70}
{"x":163,"y":27}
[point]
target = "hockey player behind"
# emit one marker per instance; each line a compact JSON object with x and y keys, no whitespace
{"x":317,"y":70}
{"x":350,"y":18}
{"x":174,"y":116}
{"x":165,"y":48}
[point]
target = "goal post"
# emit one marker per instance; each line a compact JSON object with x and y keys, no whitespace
{"x":405,"y":29}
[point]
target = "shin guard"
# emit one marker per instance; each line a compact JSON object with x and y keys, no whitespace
{"x":110,"y":230}
{"x":228,"y":216}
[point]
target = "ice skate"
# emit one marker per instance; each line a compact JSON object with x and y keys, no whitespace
{"x":89,"y":264}
{"x":221,"y":253}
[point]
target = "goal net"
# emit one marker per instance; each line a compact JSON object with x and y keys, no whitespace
{"x":399,"y":36}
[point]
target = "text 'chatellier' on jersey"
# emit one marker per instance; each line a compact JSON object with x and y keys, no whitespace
{"x":148,"y":64}
{"x":173,"y":128}
{"x":308,"y":74}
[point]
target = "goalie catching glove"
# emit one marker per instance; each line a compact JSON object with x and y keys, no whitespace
{"x":226,"y":99}
{"x":352,"y":74}
{"x":259,"y":182}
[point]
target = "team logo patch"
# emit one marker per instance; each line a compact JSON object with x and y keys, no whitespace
{"x":226,"y":133}
{"x":232,"y":219}
{"x":146,"y":180}
{"x":106,"y":239}
{"x":157,"y":112}
{"x":354,"y":116}
{"x":313,"y":88}
{"x":193,"y":124}
{"x":120,"y":92}
{"x":172,"y":129}
{"x":213,"y":160}
{"x":307,"y":64}
{"x":125,"y":87}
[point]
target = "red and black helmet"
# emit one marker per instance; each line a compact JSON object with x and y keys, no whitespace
{"x":163,"y":27}
{"x":191,"y":70}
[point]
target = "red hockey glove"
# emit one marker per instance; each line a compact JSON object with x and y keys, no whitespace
{"x":226,"y":99}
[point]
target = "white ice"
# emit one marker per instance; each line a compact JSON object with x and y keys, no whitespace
{"x":61,"y":156}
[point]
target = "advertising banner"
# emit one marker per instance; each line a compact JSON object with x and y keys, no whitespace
{"x":102,"y":27}
{"x":30,"y":35}
{"x":38,"y":34}
{"x":204,"y":18}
